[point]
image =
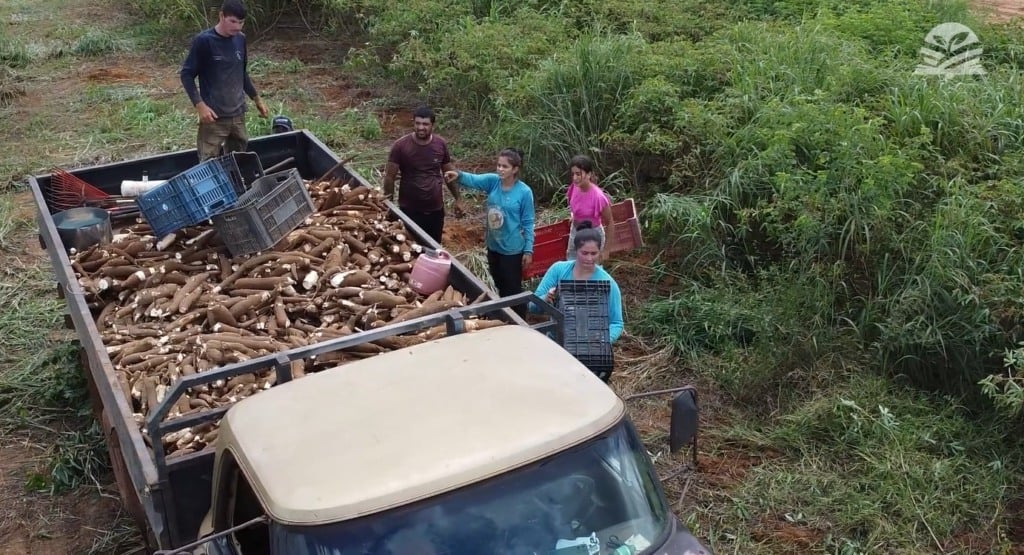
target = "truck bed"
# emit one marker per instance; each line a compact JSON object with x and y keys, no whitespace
{"x":170,"y":497}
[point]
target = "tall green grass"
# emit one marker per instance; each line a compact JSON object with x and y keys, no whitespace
{"x":13,"y":53}
{"x":42,"y":388}
{"x":940,"y":326}
{"x":99,"y":42}
{"x":566,"y":107}
{"x":881,"y":471}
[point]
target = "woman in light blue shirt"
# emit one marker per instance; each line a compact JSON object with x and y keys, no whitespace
{"x":509,"y":221}
{"x":587,"y":244}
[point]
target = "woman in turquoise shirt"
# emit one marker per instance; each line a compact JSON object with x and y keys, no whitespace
{"x":587,"y":243}
{"x":509,"y":223}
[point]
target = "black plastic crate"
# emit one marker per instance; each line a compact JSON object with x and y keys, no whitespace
{"x":585,"y":333}
{"x":584,"y":307}
{"x":584,"y":292}
{"x":244,"y":168}
{"x":273,"y":206}
{"x":596,"y":355}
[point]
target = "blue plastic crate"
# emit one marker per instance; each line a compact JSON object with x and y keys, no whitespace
{"x":207,"y":189}
{"x":189,"y":198}
{"x":164,"y":209}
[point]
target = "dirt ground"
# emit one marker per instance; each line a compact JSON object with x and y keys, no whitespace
{"x":1001,"y":10}
{"x":39,"y":523}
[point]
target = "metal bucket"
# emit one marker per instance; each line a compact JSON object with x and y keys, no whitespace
{"x":81,"y":228}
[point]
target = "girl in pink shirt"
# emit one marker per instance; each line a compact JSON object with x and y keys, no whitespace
{"x":587,"y":202}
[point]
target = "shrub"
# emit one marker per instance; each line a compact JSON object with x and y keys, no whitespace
{"x":567,"y":106}
{"x":470,"y":60}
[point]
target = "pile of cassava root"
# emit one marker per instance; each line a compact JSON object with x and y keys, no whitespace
{"x":178,"y":305}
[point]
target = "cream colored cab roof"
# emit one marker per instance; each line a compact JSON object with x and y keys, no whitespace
{"x":406,"y":425}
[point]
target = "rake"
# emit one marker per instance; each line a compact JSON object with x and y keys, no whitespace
{"x":68,"y":191}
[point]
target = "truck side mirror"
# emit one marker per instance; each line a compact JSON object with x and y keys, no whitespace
{"x":683,"y":425}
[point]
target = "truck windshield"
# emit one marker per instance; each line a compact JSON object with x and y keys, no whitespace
{"x":585,"y":500}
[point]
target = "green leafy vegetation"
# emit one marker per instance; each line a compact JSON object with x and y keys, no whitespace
{"x":889,"y":467}
{"x":97,"y":43}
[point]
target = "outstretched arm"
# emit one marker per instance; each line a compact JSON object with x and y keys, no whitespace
{"x":479,"y":181}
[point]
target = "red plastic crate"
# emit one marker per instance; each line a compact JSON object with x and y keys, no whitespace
{"x":551,"y":241}
{"x":622,"y":211}
{"x":545,"y":254}
{"x":552,"y":232}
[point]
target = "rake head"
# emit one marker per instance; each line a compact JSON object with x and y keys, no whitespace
{"x":68,"y":191}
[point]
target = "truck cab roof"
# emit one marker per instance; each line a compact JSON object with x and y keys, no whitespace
{"x":407,"y":425}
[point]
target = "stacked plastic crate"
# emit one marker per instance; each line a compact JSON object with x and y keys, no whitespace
{"x":275,"y":205}
{"x":195,"y":195}
{"x":250,"y":211}
{"x":585,"y":332}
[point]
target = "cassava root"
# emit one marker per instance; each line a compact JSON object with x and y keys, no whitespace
{"x":178,"y":305}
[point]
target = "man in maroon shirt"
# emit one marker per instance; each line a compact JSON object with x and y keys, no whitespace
{"x":421,"y":157}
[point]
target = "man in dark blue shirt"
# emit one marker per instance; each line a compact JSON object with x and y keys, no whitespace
{"x":218,"y":57}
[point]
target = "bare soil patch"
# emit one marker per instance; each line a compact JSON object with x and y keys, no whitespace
{"x":109,"y":75}
{"x":463,"y":235}
{"x":1001,"y":10}
{"x":32,"y":522}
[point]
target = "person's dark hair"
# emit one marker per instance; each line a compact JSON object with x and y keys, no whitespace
{"x":424,"y":112}
{"x":233,"y":8}
{"x":513,"y":155}
{"x":582,"y":162}
{"x":586,"y":232}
